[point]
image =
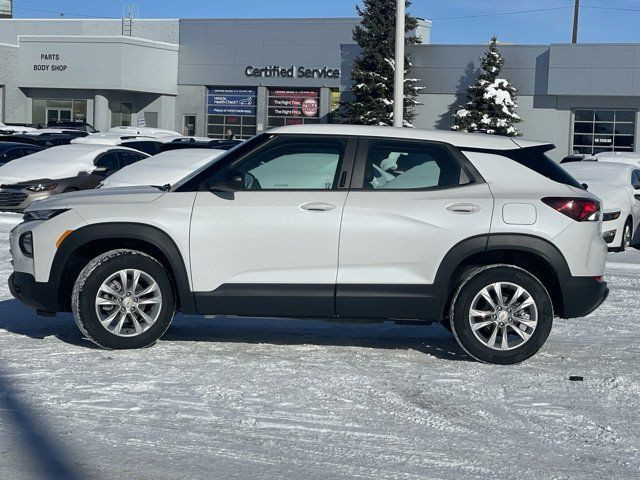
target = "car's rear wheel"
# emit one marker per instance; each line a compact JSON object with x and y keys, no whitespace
{"x":501,"y":314}
{"x":123,"y":299}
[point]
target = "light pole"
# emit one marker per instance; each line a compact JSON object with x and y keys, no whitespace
{"x":576,"y":13}
{"x":398,"y":84}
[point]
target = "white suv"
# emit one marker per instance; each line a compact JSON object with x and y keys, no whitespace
{"x":485,"y":234}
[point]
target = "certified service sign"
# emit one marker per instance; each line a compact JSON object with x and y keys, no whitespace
{"x":310,"y":107}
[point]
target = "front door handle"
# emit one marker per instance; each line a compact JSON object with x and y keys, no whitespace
{"x":463,"y":208}
{"x":317,"y":207}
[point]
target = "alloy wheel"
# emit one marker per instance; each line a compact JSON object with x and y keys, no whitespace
{"x":503,"y":316}
{"x":128,"y":302}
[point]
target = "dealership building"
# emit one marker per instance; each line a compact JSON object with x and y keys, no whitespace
{"x":207,"y":76}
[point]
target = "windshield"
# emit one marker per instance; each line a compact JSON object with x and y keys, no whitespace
{"x":199,"y":175}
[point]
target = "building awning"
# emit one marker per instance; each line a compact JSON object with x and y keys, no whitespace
{"x":102,"y":63}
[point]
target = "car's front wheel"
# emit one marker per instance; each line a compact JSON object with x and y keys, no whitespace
{"x":625,"y":242}
{"x":123,"y":299}
{"x":501,"y":314}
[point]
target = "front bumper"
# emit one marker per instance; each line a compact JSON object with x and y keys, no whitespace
{"x":581,"y":295}
{"x":40,"y":296}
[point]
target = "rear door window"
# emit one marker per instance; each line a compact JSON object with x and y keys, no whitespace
{"x":107,"y":164}
{"x":128,"y":158}
{"x":145,"y":146}
{"x":402,"y":165}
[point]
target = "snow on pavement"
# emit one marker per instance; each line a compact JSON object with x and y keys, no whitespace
{"x":241,"y":398}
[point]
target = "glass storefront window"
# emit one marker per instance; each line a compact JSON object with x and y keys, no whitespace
{"x":231,"y":109}
{"x":79,"y":111}
{"x":189,"y":125}
{"x":293,"y":107}
{"x":336,"y":111}
{"x":120,"y":114}
{"x":596,"y":131}
{"x":49,"y":111}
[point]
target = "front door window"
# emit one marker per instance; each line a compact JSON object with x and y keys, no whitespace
{"x":294,"y":163}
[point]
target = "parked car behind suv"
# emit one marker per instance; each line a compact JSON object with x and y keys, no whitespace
{"x":59,"y":169}
{"x":13,"y":150}
{"x":191,"y":142}
{"x":166,"y":168}
{"x":45,"y":140}
{"x":618,"y":186}
{"x":150,"y":145}
{"x":483,"y":233}
{"x":82,"y":126}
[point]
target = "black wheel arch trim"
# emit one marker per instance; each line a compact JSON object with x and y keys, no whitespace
{"x":130,"y":231}
{"x":500,"y":241}
{"x":517,"y":242}
{"x":438,"y":293}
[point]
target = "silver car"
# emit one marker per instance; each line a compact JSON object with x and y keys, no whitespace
{"x":61,"y":169}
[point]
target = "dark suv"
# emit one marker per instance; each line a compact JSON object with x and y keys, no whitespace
{"x":13,"y":150}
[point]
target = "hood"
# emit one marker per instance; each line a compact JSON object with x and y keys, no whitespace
{"x":112,"y":196}
{"x":24,"y":170}
{"x":63,"y":161}
{"x":162,"y":169}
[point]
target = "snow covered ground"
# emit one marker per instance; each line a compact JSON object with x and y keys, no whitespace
{"x":245,"y":399}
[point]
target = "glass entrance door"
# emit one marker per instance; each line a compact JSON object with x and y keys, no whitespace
{"x":55,"y":115}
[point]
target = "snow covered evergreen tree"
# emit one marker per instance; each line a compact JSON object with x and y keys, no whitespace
{"x":492,"y":100}
{"x":373,"y":70}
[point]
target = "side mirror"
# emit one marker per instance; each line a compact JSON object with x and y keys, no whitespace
{"x":585,"y":186}
{"x":227,"y":181}
{"x":636,"y":186}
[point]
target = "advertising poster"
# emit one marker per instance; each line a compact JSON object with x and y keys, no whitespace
{"x":294,"y":103}
{"x":232,"y":101}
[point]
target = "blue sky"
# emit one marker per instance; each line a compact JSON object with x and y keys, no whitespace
{"x":548,"y":26}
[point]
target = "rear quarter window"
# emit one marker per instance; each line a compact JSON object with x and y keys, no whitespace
{"x":535,"y":158}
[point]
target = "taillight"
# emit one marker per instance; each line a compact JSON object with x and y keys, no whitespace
{"x":579,"y":209}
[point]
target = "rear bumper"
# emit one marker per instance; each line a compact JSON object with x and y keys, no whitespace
{"x":40,"y":296}
{"x":581,"y":295}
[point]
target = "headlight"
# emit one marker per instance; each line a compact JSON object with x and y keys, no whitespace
{"x":26,"y":244}
{"x":42,"y":187}
{"x":610,"y":216}
{"x":42,"y":214}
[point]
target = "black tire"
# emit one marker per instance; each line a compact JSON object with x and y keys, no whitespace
{"x":462,"y":303}
{"x":624,"y":244}
{"x":86,"y":287}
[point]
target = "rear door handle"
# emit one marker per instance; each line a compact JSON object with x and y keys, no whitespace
{"x":463,"y":208}
{"x":317,"y":207}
